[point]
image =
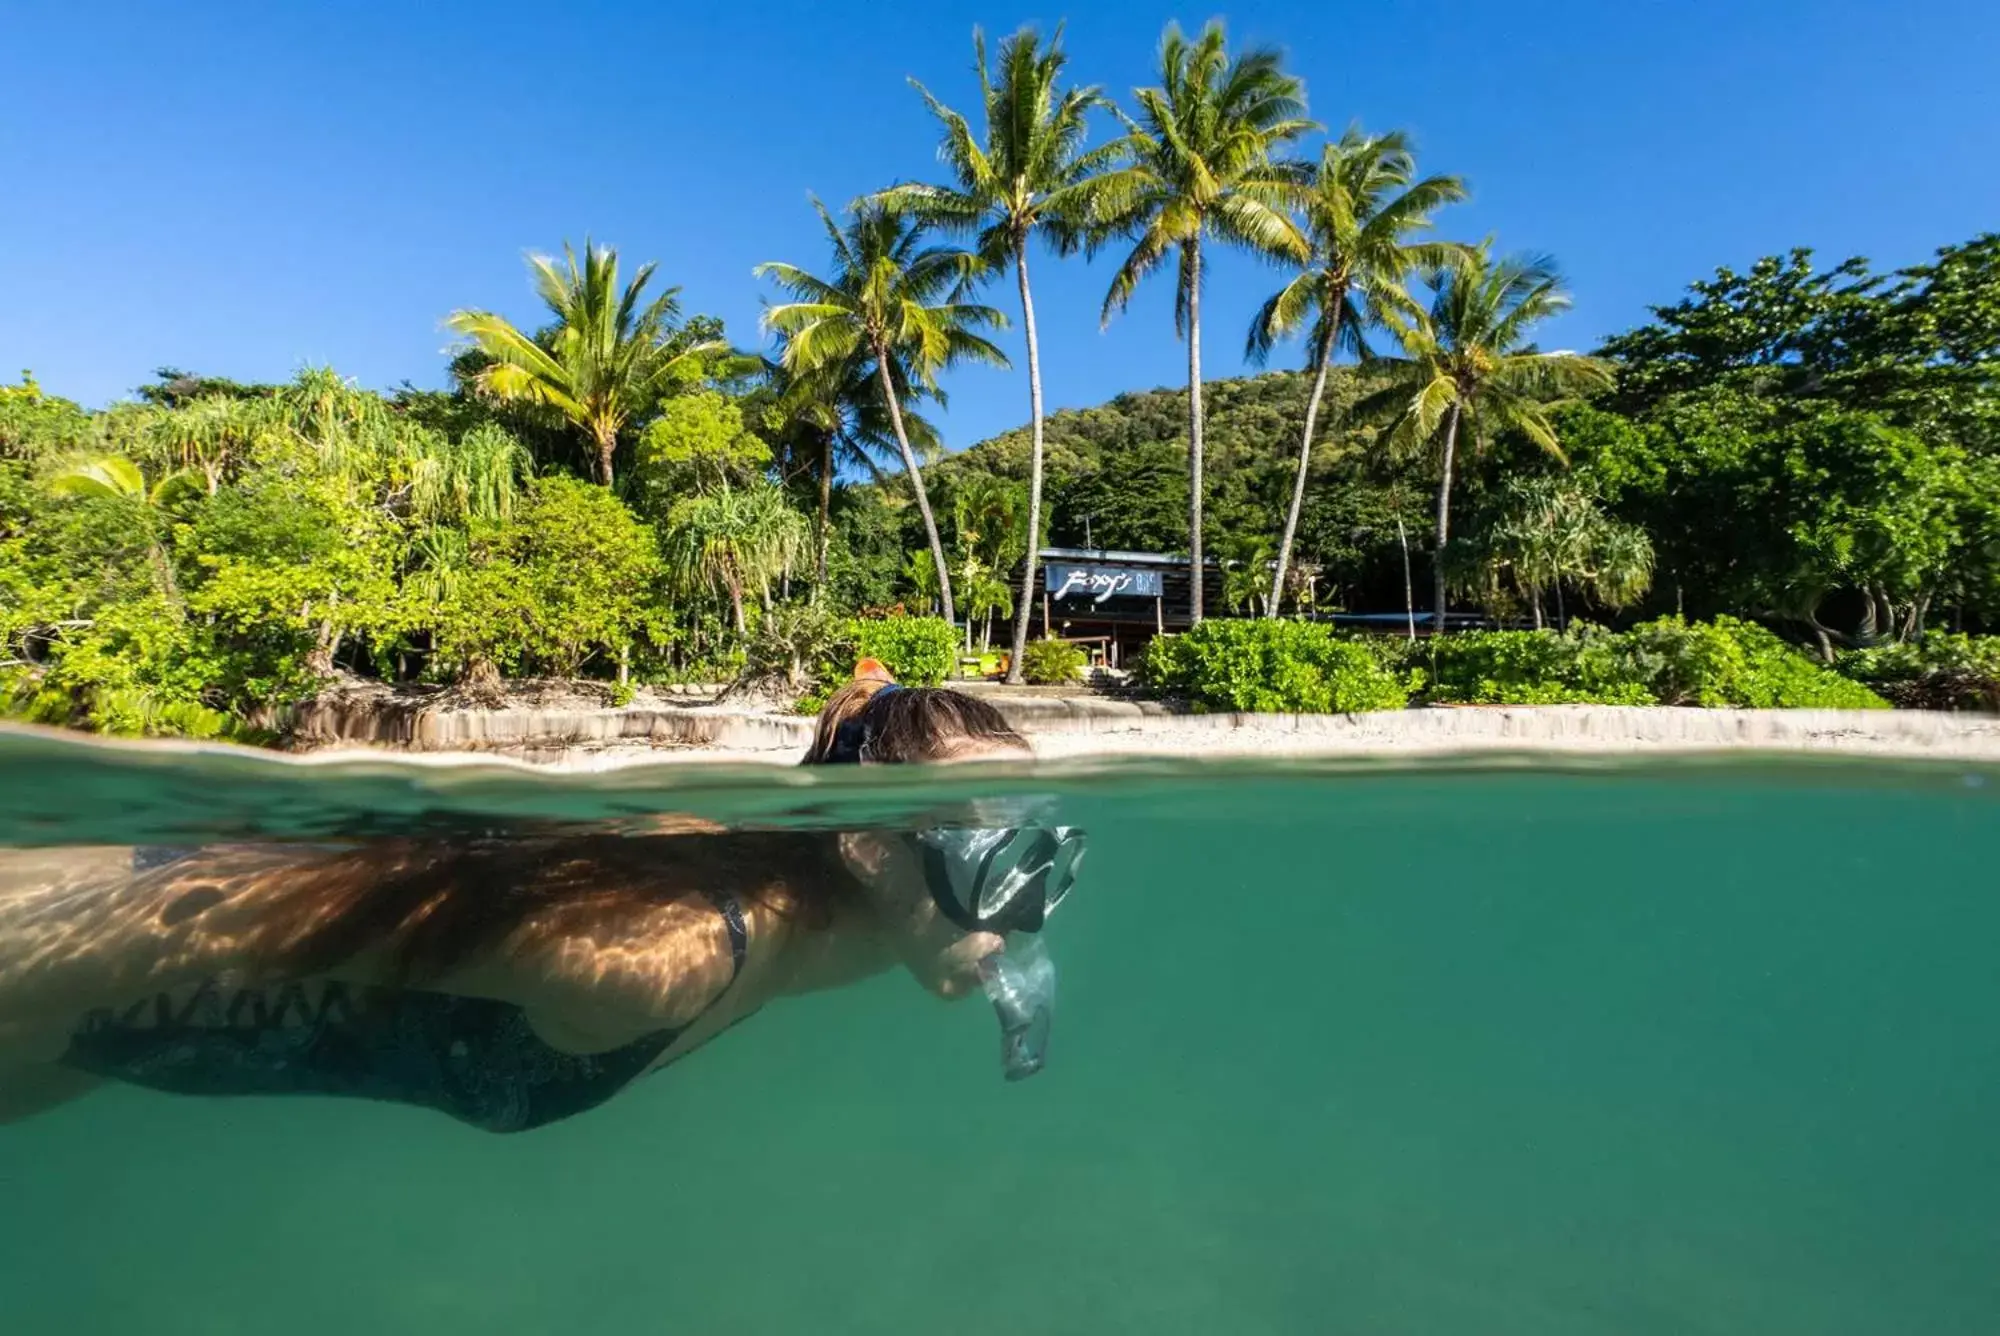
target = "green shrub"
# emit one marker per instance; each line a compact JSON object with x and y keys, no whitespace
{"x":794,"y":640}
{"x":1721,"y":664}
{"x":1941,"y":671}
{"x":920,"y":651}
{"x":1050,"y":663}
{"x":1577,"y":667}
{"x":1270,"y":667}
{"x":566,"y":577}
{"x":917,"y":651}
{"x":1729,"y":662}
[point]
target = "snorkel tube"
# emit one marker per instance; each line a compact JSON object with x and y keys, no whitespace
{"x":1021,"y":984}
{"x":1007,"y":880}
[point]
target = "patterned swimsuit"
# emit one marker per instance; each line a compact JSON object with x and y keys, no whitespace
{"x":474,"y":1058}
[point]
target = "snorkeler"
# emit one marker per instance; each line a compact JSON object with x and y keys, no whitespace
{"x":513,"y":983}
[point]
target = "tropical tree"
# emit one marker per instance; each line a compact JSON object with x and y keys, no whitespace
{"x":1360,"y":212}
{"x":1030,"y":175}
{"x":899,"y":303}
{"x":212,"y":434}
{"x":115,"y":477}
{"x":921,"y":574}
{"x":992,"y":535}
{"x":1545,"y":532}
{"x":735,"y":540}
{"x":477,"y":476}
{"x":834,"y":419}
{"x":1243,"y":559}
{"x":1466,"y":360}
{"x":1197,"y":163}
{"x":607,"y":358}
{"x":109,"y":476}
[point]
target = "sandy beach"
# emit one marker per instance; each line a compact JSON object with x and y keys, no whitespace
{"x":1064,"y":727}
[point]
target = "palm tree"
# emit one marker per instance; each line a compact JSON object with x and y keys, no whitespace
{"x":606,"y":358}
{"x":892,"y":300}
{"x":108,"y":476}
{"x":1031,"y":175}
{"x":734,"y":540}
{"x":118,"y":478}
{"x":831,"y":419}
{"x":992,"y":536}
{"x":1244,"y":557}
{"x":1467,"y":359}
{"x":1198,"y":164}
{"x":1360,"y":211}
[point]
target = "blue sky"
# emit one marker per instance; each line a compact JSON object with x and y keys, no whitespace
{"x":242,"y":189}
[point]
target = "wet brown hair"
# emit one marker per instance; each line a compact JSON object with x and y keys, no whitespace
{"x":434,"y":904}
{"x":866,"y":721}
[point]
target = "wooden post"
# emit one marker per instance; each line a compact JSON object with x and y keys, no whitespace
{"x":1160,"y":612}
{"x":1046,"y":623}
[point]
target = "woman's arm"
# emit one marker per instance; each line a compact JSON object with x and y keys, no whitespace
{"x":78,"y":929}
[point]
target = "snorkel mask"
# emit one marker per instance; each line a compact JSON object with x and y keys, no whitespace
{"x":999,"y":879}
{"x":1001,"y":871}
{"x":1006,"y":880}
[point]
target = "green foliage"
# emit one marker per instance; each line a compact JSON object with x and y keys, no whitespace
{"x":35,"y":425}
{"x":698,"y":442}
{"x":919,"y":651}
{"x":1725,"y":663}
{"x":1545,"y":533}
{"x":1730,"y":662}
{"x":1776,"y":506}
{"x":1270,"y":667}
{"x":1940,"y":671}
{"x":610,"y":355}
{"x":1052,"y":663}
{"x":734,"y":542}
{"x":794,"y":639}
{"x":569,"y":577}
{"x":1578,"y":667}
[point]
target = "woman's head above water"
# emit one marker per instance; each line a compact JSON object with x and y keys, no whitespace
{"x":871,"y":721}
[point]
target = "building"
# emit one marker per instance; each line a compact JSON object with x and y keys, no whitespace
{"x":1112,"y":603}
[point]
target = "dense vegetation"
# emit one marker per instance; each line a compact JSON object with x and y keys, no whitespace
{"x":1303,"y":667}
{"x":1784,"y":484}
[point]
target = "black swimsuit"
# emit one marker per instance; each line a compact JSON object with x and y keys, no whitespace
{"x":474,"y":1058}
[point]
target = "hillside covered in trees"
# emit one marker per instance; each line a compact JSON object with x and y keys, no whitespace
{"x":1818,"y":449}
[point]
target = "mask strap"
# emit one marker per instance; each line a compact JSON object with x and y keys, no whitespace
{"x":852,"y":738}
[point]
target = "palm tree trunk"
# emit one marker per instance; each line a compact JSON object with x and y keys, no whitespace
{"x":606,"y":444}
{"x":1193,"y":279}
{"x":1444,"y":512}
{"x":1409,"y":589}
{"x":1034,"y":466}
{"x":824,"y":533}
{"x":1305,"y":462}
{"x":736,"y":606}
{"x":916,"y":483}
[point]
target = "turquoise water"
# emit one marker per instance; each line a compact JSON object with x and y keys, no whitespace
{"x":1702,"y":1047}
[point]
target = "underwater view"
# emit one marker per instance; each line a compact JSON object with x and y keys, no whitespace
{"x":1693,"y":1046}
